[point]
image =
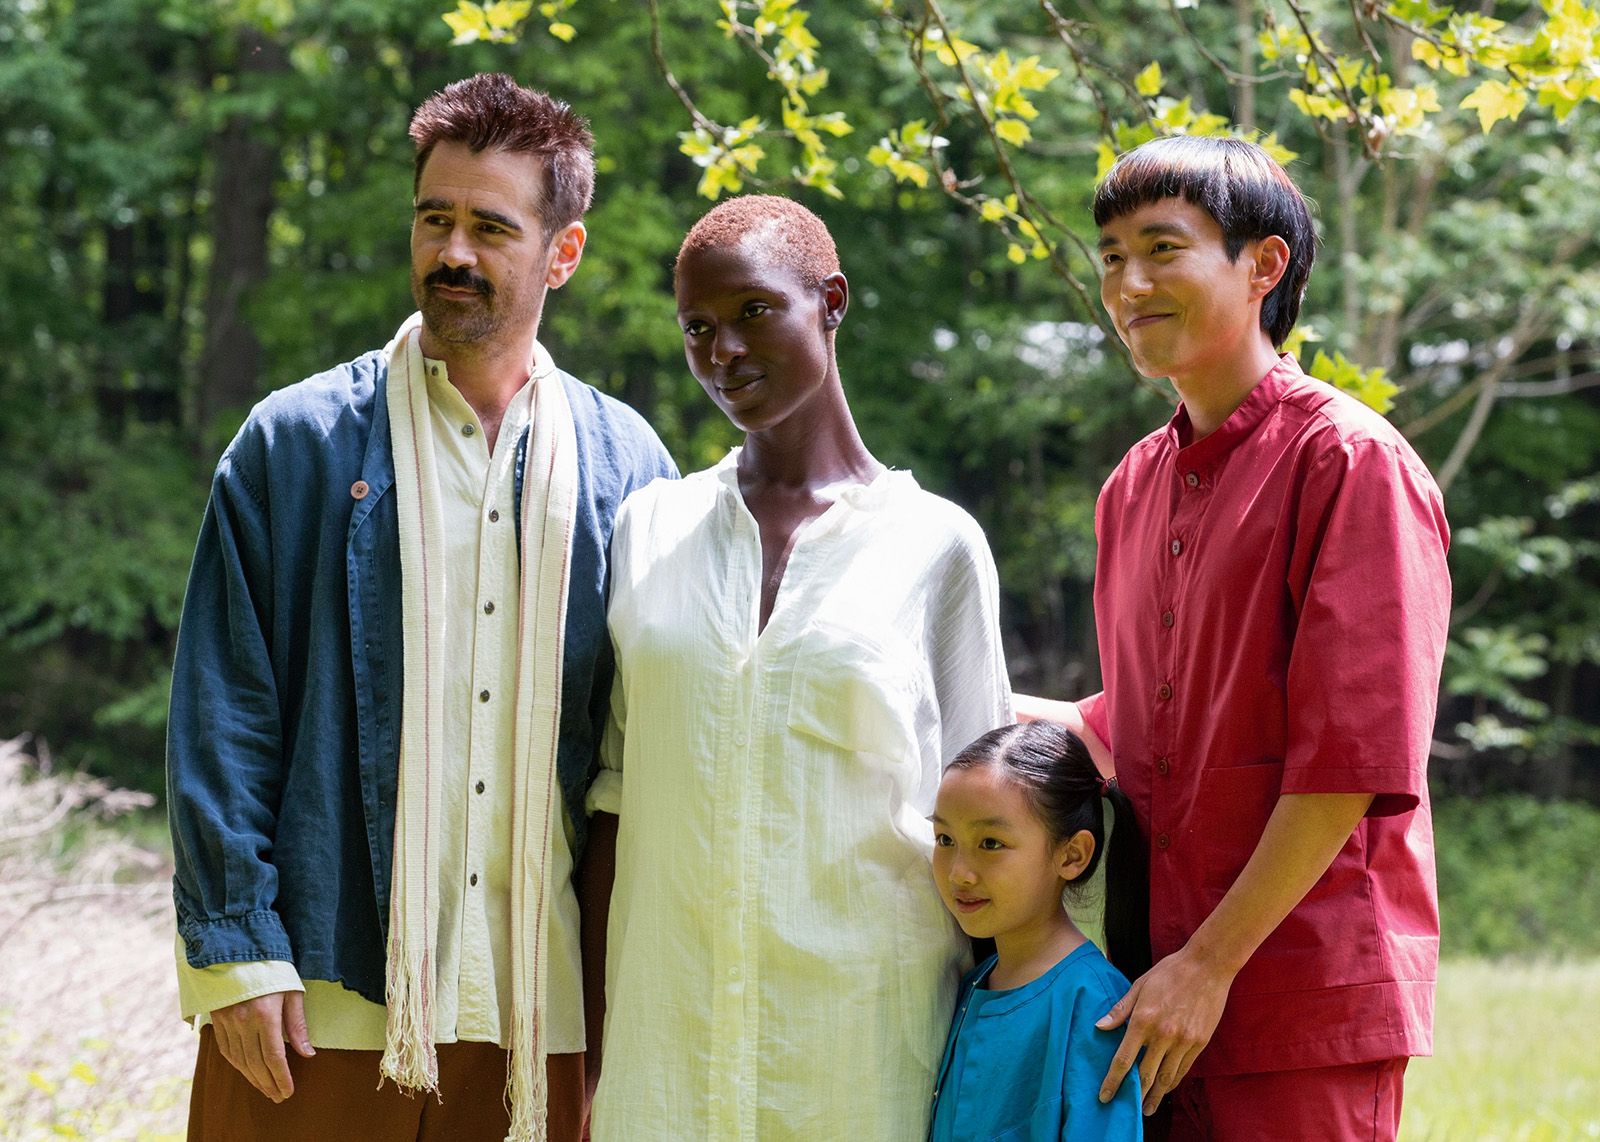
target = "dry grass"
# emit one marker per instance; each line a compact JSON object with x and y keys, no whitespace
{"x":90,"y":1041}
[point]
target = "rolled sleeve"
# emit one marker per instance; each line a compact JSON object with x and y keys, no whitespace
{"x":1360,"y":721}
{"x":204,"y":990}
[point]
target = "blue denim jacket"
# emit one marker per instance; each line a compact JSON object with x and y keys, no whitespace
{"x":284,"y":735}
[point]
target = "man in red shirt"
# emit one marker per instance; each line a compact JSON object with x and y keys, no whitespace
{"x":1272,"y":600}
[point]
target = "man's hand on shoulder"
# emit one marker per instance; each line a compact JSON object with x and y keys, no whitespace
{"x":251,"y":1036}
{"x":1171,"y":1012}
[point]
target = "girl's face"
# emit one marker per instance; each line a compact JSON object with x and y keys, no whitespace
{"x":996,"y":866}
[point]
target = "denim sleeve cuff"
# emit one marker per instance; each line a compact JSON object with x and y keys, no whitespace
{"x":204,"y":990}
{"x":256,"y":935}
{"x":605,"y":795}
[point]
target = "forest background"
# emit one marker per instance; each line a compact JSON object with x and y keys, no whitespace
{"x":204,"y":200}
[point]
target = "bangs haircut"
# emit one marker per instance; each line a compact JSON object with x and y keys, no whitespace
{"x":787,"y":232}
{"x":491,"y":110}
{"x":1239,"y":185}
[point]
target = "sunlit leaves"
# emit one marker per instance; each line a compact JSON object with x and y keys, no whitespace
{"x":1494,"y":100}
{"x":1372,"y":387}
{"x":1148,"y":81}
{"x":496,"y":21}
{"x":898,"y":152}
{"x":727,"y":158}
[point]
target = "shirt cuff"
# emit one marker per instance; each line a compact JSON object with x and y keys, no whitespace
{"x":1093,"y":711}
{"x":204,"y":990}
{"x":605,"y":795}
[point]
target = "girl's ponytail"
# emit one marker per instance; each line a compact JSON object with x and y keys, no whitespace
{"x":1127,"y":903}
{"x":1065,"y":790}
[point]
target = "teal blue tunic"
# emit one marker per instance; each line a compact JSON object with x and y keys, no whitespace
{"x":1025,"y":1065}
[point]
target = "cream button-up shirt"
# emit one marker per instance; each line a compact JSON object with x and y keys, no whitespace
{"x":779,"y":964}
{"x":483,"y":600}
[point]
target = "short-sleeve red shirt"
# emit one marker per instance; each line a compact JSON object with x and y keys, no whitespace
{"x":1272,"y":603}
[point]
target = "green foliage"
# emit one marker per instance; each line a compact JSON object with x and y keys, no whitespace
{"x":1518,"y":876}
{"x":953,"y":161}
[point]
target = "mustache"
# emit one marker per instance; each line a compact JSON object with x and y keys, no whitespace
{"x":459,"y":277}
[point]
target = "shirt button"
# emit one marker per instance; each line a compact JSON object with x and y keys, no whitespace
{"x":734,"y":816}
{"x":473,"y":879}
{"x":359,"y":490}
{"x":467,"y":430}
{"x":479,"y":786}
{"x":488,"y":608}
{"x":733,"y":973}
{"x":733,"y":894}
{"x":1163,"y":692}
{"x":1163,"y":841}
{"x":1192,"y":479}
{"x":739,"y":739}
{"x":494,"y":517}
{"x":1161,"y":766}
{"x":483,"y":695}
{"x":1177,"y":546}
{"x":1166,"y":619}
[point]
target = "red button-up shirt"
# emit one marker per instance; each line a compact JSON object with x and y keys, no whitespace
{"x":1272,"y":602}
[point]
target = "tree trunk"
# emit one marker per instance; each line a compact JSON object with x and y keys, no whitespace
{"x":244,"y":165}
{"x":1244,"y":91}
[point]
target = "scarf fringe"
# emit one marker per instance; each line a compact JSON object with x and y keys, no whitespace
{"x":528,"y":1086}
{"x":410,"y":1057}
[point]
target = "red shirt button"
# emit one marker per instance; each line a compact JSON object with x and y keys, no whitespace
{"x":1177,"y":546}
{"x":1192,"y":479}
{"x":1161,"y":766}
{"x":1164,"y":692}
{"x":1166,"y":619}
{"x":1163,"y":841}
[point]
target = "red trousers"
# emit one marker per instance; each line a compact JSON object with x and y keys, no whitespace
{"x":337,"y":1099}
{"x":1355,"y":1103}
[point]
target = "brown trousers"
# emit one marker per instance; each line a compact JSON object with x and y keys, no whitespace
{"x":337,"y":1099}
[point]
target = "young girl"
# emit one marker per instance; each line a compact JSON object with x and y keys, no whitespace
{"x":1020,"y":816}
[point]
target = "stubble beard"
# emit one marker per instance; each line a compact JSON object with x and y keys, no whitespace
{"x":459,"y":322}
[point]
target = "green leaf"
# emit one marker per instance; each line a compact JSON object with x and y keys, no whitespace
{"x":1494,"y":100}
{"x":1013,"y":131}
{"x":1148,"y":81}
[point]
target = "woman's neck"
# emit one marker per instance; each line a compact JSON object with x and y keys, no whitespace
{"x":809,"y":452}
{"x":1025,"y":954}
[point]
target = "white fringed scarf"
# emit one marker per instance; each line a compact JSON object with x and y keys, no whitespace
{"x":549,"y":503}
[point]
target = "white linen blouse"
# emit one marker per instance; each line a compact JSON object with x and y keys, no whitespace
{"x":780,"y":965}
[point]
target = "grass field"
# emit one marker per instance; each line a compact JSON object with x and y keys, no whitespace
{"x":1516,"y":1056}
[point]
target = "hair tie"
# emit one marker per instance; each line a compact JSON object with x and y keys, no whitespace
{"x":1105,"y":786}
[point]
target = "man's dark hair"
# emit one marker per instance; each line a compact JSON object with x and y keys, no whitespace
{"x":492,"y":111}
{"x":1239,"y":185}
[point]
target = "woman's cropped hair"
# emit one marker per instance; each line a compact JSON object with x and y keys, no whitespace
{"x":1239,"y":185}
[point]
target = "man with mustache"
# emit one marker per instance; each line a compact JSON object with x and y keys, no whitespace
{"x":390,"y":676}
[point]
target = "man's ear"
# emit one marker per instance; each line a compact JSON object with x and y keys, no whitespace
{"x":1269,"y":262}
{"x":835,"y":300}
{"x":566,"y":251}
{"x":1074,"y":854}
